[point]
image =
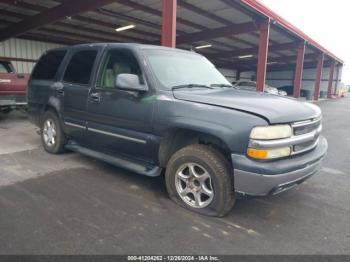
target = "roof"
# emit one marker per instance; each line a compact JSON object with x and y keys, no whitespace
{"x":262,"y":9}
{"x":230,"y":26}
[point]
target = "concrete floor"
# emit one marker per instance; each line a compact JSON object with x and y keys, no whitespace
{"x":71,"y":204}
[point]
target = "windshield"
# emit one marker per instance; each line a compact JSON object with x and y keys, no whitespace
{"x":178,"y":68}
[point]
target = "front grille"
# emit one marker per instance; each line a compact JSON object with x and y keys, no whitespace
{"x":309,"y":127}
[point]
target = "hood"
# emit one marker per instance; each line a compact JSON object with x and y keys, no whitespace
{"x":275,"y":109}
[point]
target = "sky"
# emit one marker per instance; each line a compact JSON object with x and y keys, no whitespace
{"x":324,"y":21}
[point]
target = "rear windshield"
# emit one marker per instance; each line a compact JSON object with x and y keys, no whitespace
{"x":48,"y":64}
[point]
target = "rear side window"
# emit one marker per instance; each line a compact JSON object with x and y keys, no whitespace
{"x":80,"y":67}
{"x":48,"y":65}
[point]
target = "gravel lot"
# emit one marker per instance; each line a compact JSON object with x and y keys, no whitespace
{"x":72,"y":204}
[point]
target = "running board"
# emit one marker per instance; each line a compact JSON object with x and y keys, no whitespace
{"x":139,"y":168}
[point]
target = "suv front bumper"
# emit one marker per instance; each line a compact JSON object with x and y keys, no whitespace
{"x":264,"y":178}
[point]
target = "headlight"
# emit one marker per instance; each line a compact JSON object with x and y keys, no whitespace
{"x":271,"y":132}
{"x":268,"y":153}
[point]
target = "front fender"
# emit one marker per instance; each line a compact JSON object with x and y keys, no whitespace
{"x":230,"y":126}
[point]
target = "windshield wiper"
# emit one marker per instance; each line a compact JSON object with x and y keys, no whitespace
{"x":191,"y":86}
{"x":221,"y":85}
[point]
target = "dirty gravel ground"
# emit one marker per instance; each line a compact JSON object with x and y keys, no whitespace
{"x":72,"y":204}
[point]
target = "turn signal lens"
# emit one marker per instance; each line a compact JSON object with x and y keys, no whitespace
{"x":258,"y":154}
{"x":268,"y":153}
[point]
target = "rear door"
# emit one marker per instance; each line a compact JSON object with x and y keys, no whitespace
{"x":74,"y":87}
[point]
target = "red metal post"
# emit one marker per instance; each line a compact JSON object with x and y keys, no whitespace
{"x":330,"y":79}
{"x":299,"y":70}
{"x":320,"y":61}
{"x":262,"y":57}
{"x":168,"y":37}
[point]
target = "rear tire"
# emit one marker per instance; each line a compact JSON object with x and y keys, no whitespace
{"x":200,"y":179}
{"x":52,"y":136}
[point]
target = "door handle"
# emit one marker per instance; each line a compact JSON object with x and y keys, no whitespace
{"x":95,"y":97}
{"x":60,"y":91}
{"x":59,"y":88}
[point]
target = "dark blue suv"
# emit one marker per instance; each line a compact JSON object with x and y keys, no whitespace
{"x":149,"y":108}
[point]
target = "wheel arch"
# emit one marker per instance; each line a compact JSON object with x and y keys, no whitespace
{"x":176,"y":138}
{"x":53,"y":104}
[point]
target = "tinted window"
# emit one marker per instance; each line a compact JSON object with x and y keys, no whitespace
{"x":3,"y":68}
{"x":6,"y":67}
{"x":48,"y":65}
{"x":117,"y":62}
{"x":80,"y":67}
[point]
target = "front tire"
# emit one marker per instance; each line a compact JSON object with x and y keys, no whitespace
{"x":199,"y":178}
{"x":52,"y":136}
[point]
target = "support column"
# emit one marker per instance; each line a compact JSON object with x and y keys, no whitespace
{"x":320,"y":60}
{"x":330,"y":79}
{"x":238,"y":75}
{"x":168,"y":37}
{"x":262,"y":57}
{"x":298,"y":76}
{"x":337,"y":78}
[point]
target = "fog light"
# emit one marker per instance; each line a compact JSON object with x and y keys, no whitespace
{"x":268,"y":153}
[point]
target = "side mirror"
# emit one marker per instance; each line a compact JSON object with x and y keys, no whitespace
{"x":129,"y":82}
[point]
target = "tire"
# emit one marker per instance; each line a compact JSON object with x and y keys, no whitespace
{"x":204,"y":171}
{"x":56,"y":146}
{"x":6,"y":110}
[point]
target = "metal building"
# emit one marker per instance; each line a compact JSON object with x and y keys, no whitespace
{"x":242,"y":37}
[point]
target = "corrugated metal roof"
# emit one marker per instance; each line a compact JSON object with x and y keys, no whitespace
{"x":192,"y":16}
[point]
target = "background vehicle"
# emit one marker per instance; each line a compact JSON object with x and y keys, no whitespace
{"x":148,"y":108}
{"x":251,"y":86}
{"x":282,"y":93}
{"x":13,"y":88}
{"x":308,"y":94}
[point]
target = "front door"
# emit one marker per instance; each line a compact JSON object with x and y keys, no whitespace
{"x":120,"y":121}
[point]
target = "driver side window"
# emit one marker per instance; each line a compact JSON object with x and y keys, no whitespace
{"x":117,"y":61}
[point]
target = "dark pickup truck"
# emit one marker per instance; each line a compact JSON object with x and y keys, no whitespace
{"x":149,"y":108}
{"x":13,"y":88}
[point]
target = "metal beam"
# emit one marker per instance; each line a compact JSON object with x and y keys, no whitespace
{"x":6,"y":58}
{"x":272,"y":61}
{"x":254,"y":50}
{"x":51,"y":15}
{"x":299,"y":70}
{"x":262,"y":56}
{"x":273,"y":68}
{"x":217,"y":32}
{"x":168,"y":37}
{"x":102,"y":34}
{"x":79,"y":18}
{"x":50,"y":38}
{"x":320,"y":61}
{"x":330,"y":79}
{"x":74,"y":35}
{"x":88,"y":31}
{"x":205,"y":13}
{"x":180,"y":20}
